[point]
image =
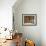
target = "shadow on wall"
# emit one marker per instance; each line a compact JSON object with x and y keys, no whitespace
{"x":17,"y":3}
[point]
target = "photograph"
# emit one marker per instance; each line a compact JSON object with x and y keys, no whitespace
{"x":29,"y":19}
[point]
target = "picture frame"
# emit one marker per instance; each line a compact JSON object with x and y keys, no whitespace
{"x":29,"y":19}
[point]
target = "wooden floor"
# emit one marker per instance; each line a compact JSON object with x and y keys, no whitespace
{"x":9,"y":43}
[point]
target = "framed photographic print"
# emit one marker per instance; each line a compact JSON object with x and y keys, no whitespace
{"x":29,"y":19}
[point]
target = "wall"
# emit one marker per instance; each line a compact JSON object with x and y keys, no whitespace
{"x":43,"y":22}
{"x":6,"y":13}
{"x":29,"y":32}
{"x":6,"y":16}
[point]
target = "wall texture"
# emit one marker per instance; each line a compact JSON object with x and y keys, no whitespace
{"x":43,"y":22}
{"x":6,"y":16}
{"x":6,"y":13}
{"x":28,"y":7}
